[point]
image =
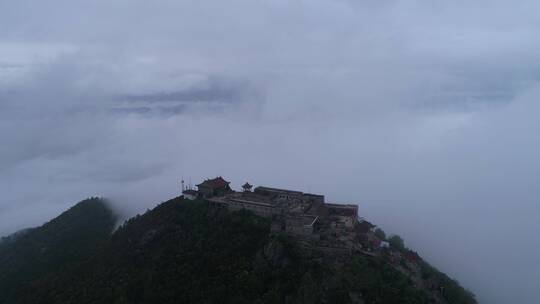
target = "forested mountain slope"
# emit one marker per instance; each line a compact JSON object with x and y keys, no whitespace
{"x":188,"y":252}
{"x":66,"y":240}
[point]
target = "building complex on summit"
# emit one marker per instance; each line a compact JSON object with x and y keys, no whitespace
{"x":304,"y":215}
{"x":323,"y":229}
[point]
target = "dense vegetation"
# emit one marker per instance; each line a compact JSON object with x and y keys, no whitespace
{"x":68,"y":239}
{"x":188,"y":252}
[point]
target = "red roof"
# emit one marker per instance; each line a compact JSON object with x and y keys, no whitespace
{"x":412,"y":256}
{"x":217,"y":182}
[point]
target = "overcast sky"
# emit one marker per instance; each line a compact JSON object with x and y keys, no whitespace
{"x":424,"y":113}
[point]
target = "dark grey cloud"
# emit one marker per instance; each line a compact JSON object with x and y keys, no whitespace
{"x":425,"y":114}
{"x":212,"y":94}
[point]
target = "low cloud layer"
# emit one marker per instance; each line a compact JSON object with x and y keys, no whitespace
{"x":424,"y":114}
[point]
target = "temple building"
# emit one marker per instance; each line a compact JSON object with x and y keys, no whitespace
{"x":214,"y":187}
{"x":296,"y":213}
{"x":247,"y":187}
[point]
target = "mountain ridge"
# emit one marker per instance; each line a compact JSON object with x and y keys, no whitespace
{"x":67,"y":239}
